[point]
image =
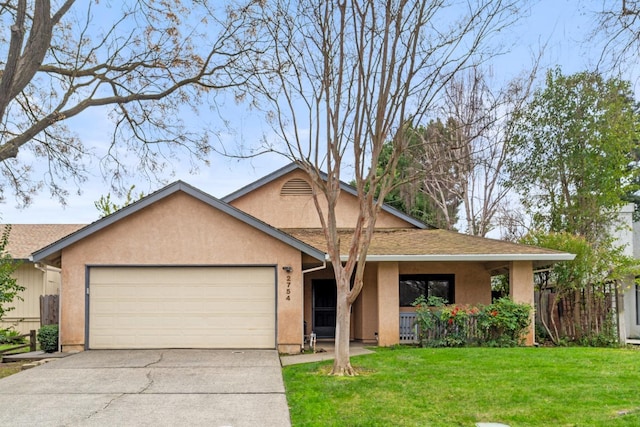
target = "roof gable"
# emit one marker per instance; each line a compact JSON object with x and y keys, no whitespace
{"x":178,"y":186}
{"x":291,"y":167}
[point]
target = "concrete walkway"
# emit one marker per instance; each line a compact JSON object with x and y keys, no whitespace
{"x":325,"y":351}
{"x":149,"y":388}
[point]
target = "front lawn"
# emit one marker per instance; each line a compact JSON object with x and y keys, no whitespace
{"x":462,"y":386}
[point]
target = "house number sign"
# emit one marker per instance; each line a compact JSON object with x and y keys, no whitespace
{"x":288,"y":287}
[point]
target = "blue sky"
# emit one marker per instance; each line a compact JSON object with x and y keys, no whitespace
{"x":561,"y":25}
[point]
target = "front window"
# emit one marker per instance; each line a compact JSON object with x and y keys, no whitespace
{"x":429,"y":285}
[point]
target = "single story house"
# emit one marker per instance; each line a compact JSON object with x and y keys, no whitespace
{"x":182,"y":269}
{"x":36,"y":279}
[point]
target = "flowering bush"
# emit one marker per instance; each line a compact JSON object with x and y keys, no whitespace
{"x":501,"y":324}
{"x":504,"y":323}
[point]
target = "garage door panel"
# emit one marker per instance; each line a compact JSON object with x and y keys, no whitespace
{"x":182,"y":307}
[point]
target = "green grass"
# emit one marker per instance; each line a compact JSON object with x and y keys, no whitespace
{"x":4,"y":347}
{"x":460,"y":387}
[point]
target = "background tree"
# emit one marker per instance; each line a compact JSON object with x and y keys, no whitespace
{"x":618,"y":29}
{"x":142,"y":61}
{"x":443,"y":161}
{"x":483,"y":113}
{"x":353,"y":75}
{"x":405,"y":194}
{"x":458,"y":164}
{"x":9,"y":288}
{"x":570,"y":154}
{"x":106,"y":206}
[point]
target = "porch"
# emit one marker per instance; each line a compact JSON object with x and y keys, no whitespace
{"x":383,"y":314}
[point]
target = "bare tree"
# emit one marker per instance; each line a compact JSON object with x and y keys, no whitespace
{"x":141,"y":60}
{"x":462,"y":165}
{"x":618,"y":29}
{"x":352,"y":75}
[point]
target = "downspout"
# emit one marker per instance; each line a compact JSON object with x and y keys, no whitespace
{"x":45,"y":269}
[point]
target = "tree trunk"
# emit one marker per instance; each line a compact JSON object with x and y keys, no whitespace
{"x":342,"y":363}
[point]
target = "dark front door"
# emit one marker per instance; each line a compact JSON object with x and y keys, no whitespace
{"x":324,"y":308}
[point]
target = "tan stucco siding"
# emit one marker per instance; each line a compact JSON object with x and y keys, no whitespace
{"x":521,"y":291}
{"x":299,"y":211}
{"x":472,"y":280}
{"x":366,"y":308}
{"x":179,"y":230}
{"x":388,"y":304}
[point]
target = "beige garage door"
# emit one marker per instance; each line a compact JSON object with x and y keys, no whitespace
{"x":182,"y":307}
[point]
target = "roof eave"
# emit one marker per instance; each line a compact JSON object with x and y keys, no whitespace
{"x":469,"y":257}
{"x":56,"y":247}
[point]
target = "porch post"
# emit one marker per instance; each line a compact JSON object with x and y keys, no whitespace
{"x":521,"y":291}
{"x":388,"y":304}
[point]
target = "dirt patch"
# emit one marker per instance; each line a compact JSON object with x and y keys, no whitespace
{"x":11,"y":368}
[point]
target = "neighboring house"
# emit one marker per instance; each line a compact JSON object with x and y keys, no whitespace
{"x":182,"y":269}
{"x":628,"y":235}
{"x":37,"y":280}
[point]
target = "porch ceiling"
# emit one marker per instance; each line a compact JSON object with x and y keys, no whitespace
{"x":435,"y":245}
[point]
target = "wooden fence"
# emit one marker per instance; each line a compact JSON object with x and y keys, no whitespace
{"x":578,"y":314}
{"x":31,"y":344}
{"x":49,"y":309}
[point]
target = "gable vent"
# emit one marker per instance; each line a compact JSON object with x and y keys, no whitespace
{"x":296,"y":187}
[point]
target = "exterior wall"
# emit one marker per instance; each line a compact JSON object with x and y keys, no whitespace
{"x":366,"y":307}
{"x":268,"y":205}
{"x":180,"y":230}
{"x":521,"y":291}
{"x":630,"y":326}
{"x":627,"y":234}
{"x":388,"y":304}
{"x":26,"y":315}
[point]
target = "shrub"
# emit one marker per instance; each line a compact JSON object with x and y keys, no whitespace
{"x":10,"y":336}
{"x":48,"y":338}
{"x":501,"y":324}
{"x":504,"y":323}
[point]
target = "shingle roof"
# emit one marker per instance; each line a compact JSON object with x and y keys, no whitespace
{"x":24,"y":239}
{"x":434,"y":245}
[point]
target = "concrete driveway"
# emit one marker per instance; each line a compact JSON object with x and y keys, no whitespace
{"x":149,"y":387}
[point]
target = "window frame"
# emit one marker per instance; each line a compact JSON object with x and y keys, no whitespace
{"x":426,"y":278}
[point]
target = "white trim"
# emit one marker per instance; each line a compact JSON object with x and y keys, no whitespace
{"x":470,"y":257}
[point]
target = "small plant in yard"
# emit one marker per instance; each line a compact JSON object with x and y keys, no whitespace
{"x":48,"y":338}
